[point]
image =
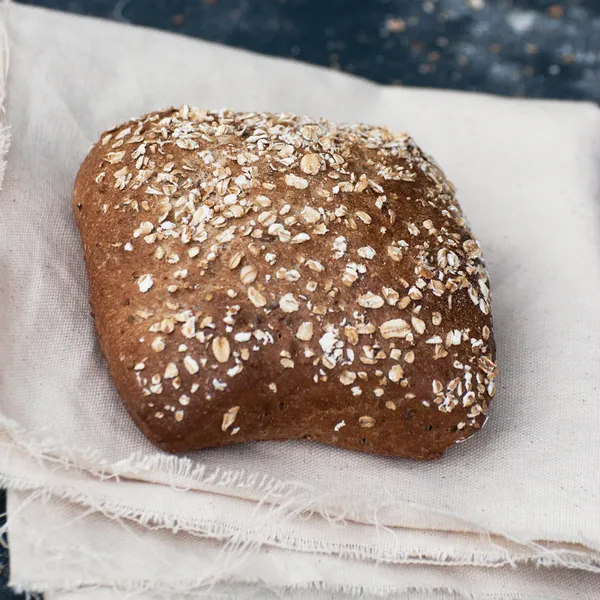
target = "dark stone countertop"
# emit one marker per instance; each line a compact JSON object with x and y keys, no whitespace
{"x":523,"y":48}
{"x":530,"y":48}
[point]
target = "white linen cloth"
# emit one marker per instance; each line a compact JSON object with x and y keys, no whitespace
{"x":527,"y":175}
{"x":167,"y":566}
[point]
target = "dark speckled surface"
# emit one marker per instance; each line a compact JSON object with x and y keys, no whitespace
{"x":511,"y":47}
{"x":528,"y":48}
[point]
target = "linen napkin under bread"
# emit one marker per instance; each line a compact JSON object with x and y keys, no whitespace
{"x":95,"y":510}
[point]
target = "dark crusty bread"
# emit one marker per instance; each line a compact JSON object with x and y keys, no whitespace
{"x":257,"y":276}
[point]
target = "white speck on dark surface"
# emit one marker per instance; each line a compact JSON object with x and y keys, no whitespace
{"x":524,"y":48}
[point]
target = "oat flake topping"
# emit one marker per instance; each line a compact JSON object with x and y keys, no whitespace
{"x":306,"y":222}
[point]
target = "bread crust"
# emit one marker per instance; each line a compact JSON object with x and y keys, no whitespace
{"x":260,"y":277}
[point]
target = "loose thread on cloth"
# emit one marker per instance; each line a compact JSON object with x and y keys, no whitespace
{"x":204,"y":584}
{"x":238,"y":545}
{"x":4,"y":64}
{"x":244,"y":541}
{"x":182,"y":474}
{"x":4,"y":146}
{"x":289,"y":500}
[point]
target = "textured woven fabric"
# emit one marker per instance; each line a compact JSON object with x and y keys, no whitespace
{"x":527,"y":177}
{"x":65,"y":527}
{"x":170,"y":566}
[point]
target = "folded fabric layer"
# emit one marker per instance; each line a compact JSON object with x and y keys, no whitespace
{"x":66,"y":547}
{"x":527,"y":177}
{"x":244,"y":526}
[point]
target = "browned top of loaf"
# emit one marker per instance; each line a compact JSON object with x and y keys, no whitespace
{"x":253,"y":258}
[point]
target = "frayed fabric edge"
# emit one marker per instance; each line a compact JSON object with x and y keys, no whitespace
{"x":292,"y":498}
{"x":4,"y":146}
{"x":343,"y":591}
{"x":231,"y":583}
{"x":240,"y":543}
{"x":4,"y":64}
{"x":329,"y":593}
{"x":183,"y":474}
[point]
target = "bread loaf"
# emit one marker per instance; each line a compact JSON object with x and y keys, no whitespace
{"x":257,"y":277}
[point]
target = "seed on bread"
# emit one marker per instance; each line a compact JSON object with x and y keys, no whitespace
{"x":273,"y":259}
